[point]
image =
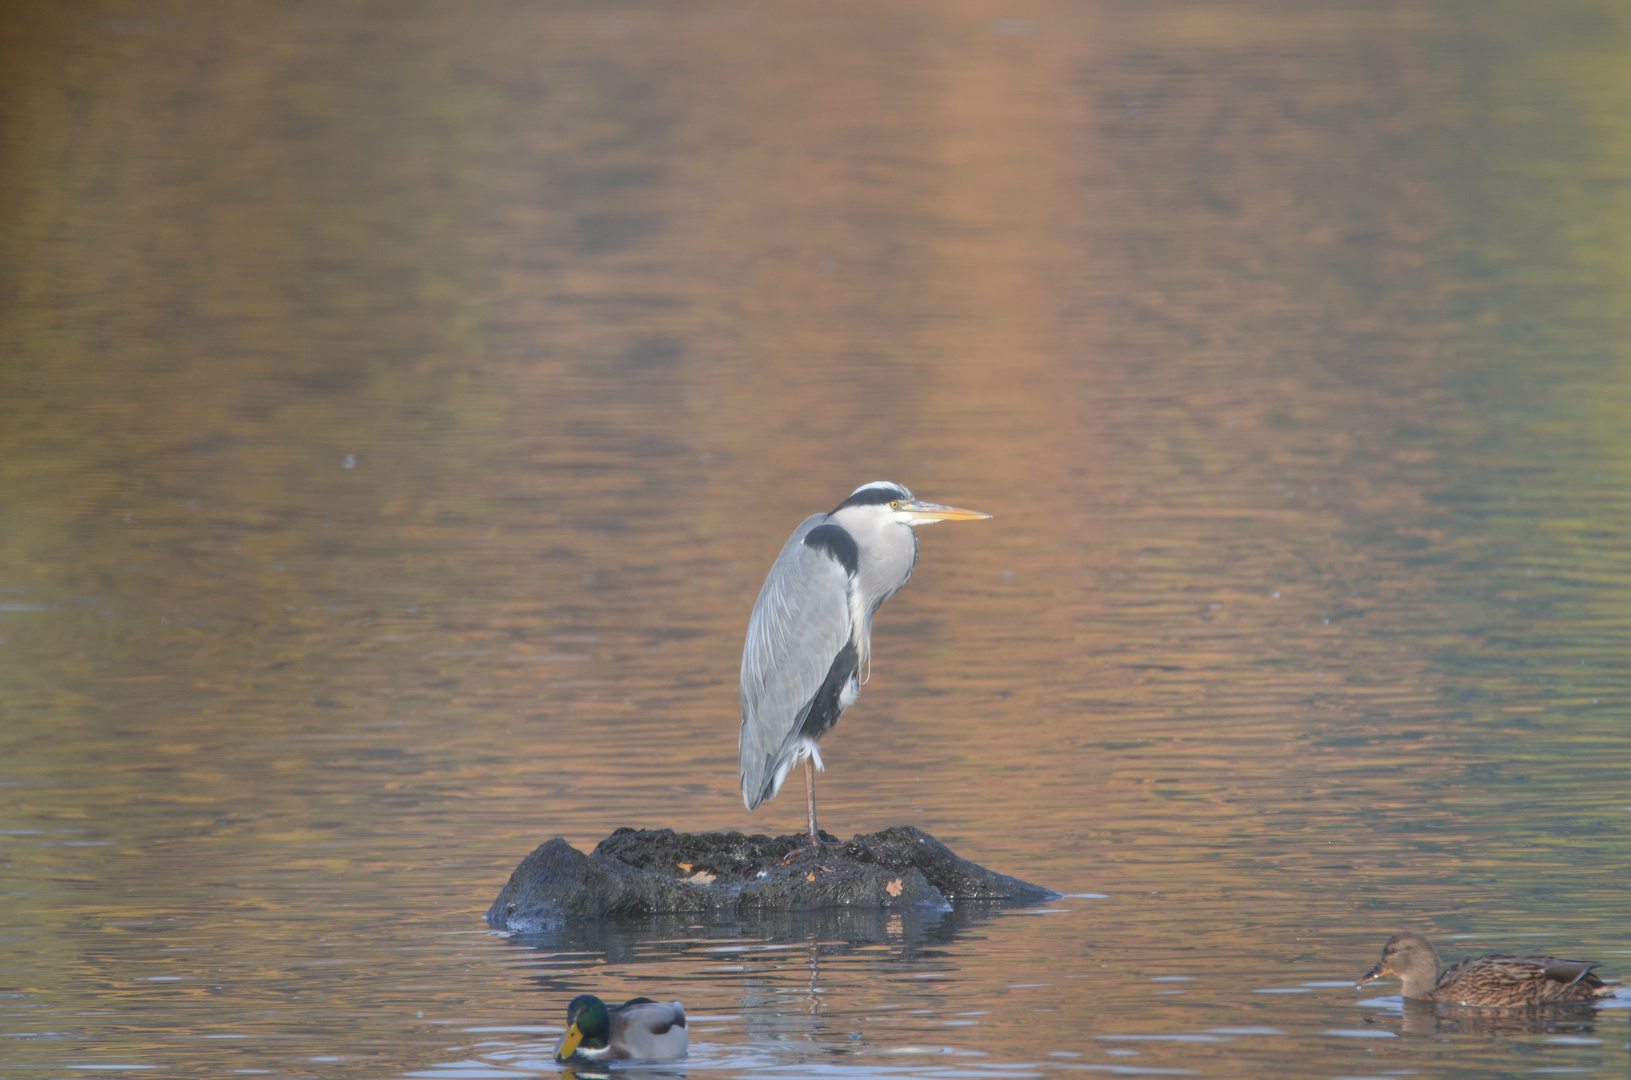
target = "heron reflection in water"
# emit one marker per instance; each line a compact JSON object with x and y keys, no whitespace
{"x":810,"y":635}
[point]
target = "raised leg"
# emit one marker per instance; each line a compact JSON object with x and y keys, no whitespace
{"x":809,"y":789}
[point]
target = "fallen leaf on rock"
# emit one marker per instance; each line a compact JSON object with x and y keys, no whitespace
{"x":701,"y":877}
{"x":684,"y":866}
{"x":894,"y":888}
{"x":810,"y":876}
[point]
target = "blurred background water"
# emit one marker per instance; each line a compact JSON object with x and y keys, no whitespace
{"x":401,"y":404}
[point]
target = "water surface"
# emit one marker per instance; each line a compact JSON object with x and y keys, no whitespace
{"x":401,"y":408}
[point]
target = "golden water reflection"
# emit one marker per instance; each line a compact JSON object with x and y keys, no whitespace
{"x":399,"y":414}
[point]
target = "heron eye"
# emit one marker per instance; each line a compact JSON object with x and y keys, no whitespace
{"x":895,"y":505}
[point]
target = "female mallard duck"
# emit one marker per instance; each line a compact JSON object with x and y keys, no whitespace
{"x":1489,"y":982}
{"x":637,"y":1030}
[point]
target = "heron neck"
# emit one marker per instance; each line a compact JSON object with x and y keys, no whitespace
{"x":888,"y":551}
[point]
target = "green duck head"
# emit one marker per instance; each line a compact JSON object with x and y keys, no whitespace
{"x":587,"y":1024}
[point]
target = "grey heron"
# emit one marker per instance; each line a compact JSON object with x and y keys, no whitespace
{"x":810,"y":635}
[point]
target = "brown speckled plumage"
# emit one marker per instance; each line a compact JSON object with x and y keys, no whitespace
{"x":1486,"y":981}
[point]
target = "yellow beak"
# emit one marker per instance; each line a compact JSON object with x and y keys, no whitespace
{"x":927,"y":513}
{"x":569,"y":1045}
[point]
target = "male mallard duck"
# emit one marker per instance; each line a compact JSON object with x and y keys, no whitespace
{"x":637,"y":1030}
{"x":1489,"y":982}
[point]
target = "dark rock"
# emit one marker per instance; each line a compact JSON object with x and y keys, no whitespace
{"x":647,"y":872}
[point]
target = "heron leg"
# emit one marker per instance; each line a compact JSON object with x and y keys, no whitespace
{"x":809,"y":791}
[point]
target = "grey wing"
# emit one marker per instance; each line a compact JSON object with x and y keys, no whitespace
{"x":649,"y":1031}
{"x":1568,"y":973}
{"x":799,"y":624}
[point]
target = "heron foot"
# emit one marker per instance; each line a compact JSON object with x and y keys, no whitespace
{"x":826,"y":840}
{"x":816,"y":846}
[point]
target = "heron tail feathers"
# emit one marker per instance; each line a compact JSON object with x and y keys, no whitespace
{"x":764,"y":781}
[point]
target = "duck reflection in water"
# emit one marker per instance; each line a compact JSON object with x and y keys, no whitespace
{"x":576,"y":1071}
{"x":1427,"y":1017}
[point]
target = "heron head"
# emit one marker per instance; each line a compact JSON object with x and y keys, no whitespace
{"x":587,"y":1023}
{"x":894,"y":502}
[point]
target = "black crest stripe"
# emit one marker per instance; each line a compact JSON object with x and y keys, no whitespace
{"x":873,"y":495}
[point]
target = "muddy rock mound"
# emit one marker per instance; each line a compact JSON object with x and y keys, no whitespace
{"x":651,"y":871}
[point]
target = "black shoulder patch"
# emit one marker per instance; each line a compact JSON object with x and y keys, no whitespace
{"x":833,"y":540}
{"x":827,"y":705}
{"x":638,"y":1001}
